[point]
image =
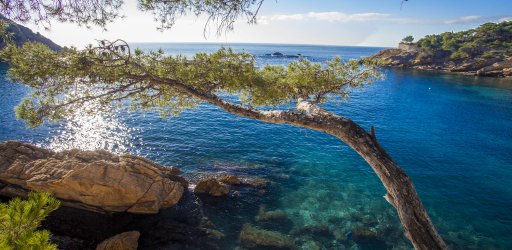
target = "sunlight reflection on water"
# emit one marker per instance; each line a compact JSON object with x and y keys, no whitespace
{"x":87,"y":131}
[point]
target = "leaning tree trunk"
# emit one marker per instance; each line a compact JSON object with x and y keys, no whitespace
{"x":400,"y":190}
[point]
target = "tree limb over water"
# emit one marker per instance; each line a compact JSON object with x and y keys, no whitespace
{"x":112,"y":73}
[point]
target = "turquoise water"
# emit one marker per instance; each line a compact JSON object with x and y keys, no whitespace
{"x":452,"y":134}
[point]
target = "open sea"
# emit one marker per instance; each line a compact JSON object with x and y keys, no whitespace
{"x":452,"y":134}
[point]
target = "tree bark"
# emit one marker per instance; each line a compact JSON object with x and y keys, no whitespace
{"x":401,"y":192}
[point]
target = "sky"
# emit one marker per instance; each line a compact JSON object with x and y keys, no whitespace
{"x":379,"y":23}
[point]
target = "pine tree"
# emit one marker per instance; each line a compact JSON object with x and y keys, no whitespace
{"x":19,"y":220}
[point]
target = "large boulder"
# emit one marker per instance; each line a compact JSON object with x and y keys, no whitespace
{"x":124,"y":241}
{"x":93,"y":180}
{"x":211,"y":186}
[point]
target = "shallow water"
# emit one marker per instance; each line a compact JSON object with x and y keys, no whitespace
{"x":452,"y":134}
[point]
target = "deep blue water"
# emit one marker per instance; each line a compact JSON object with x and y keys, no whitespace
{"x":452,"y":134}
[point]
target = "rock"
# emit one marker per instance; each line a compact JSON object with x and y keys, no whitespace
{"x":311,"y":245}
{"x":441,"y":61}
{"x":65,"y":242}
{"x":500,"y":68}
{"x":256,"y":182}
{"x":507,"y":72}
{"x":215,"y":234}
{"x":230,"y":179}
{"x":93,"y":180}
{"x":212,"y":187}
{"x":124,"y":241}
{"x":313,"y":230}
{"x":340,"y":235}
{"x":263,"y":214}
{"x":253,"y":236}
{"x":234,"y":180}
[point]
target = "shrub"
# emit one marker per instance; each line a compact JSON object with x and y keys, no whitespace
{"x":489,"y":55}
{"x":19,"y":220}
{"x":422,"y":57}
{"x":458,"y":56}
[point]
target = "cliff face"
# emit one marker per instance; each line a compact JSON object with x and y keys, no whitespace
{"x":423,"y":60}
{"x":22,"y":34}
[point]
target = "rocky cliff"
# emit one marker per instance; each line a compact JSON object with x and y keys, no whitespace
{"x":422,"y":60}
{"x":483,"y":51}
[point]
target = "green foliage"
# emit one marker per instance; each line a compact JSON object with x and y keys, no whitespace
{"x":489,"y":55}
{"x":84,"y":12}
{"x":456,"y":56}
{"x":473,"y":43}
{"x":19,"y":220}
{"x":422,"y":56}
{"x":112,"y":73}
{"x":408,"y":39}
{"x":100,"y":12}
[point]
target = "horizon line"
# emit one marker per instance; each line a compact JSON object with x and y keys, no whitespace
{"x":260,"y":43}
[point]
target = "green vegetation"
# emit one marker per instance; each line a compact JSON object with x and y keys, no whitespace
{"x":112,"y":73}
{"x":490,"y":40}
{"x":223,"y":13}
{"x":408,"y":39}
{"x":20,"y":34}
{"x":19,"y":220}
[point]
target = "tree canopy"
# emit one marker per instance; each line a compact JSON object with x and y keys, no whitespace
{"x":488,"y":40}
{"x":112,"y":72}
{"x":222,"y":13}
{"x":408,"y":39}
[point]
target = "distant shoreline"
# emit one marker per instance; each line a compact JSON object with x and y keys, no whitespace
{"x":408,"y":59}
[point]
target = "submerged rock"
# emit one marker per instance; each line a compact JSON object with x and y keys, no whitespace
{"x":263,"y":214}
{"x":256,"y":182}
{"x":92,"y":180}
{"x":255,"y":237}
{"x":212,"y":187}
{"x":311,"y":245}
{"x":313,"y":230}
{"x":230,"y":179}
{"x":124,"y":241}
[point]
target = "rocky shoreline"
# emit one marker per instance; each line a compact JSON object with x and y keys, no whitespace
{"x":421,"y":60}
{"x":96,"y":212}
{"x":105,"y":196}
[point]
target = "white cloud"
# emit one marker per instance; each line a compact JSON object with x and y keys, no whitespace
{"x":464,"y":20}
{"x":509,"y":18}
{"x":268,"y":19}
{"x":342,"y":17}
{"x":326,"y":16}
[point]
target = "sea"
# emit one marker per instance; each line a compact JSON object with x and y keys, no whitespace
{"x":452,"y":134}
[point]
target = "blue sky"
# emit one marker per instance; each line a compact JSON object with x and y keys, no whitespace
{"x":329,"y":22}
